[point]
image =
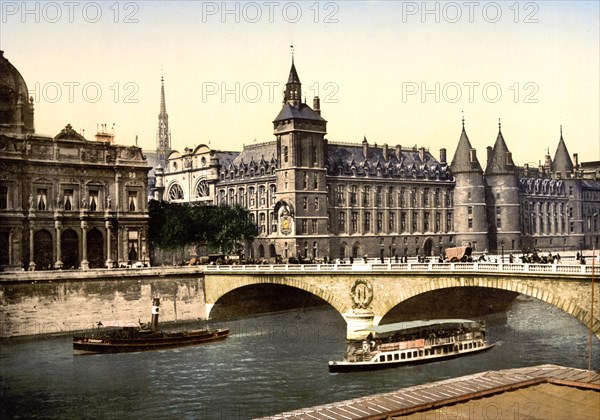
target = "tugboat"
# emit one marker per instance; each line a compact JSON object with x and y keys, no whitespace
{"x":131,"y":336}
{"x":413,"y":342}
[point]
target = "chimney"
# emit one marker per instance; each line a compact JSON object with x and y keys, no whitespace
{"x":385,"y":151}
{"x":103,"y":136}
{"x":365,"y":145}
{"x":526,"y":170}
{"x":575,"y":162}
{"x":317,"y":105}
{"x":489,"y":154}
{"x":422,"y":153}
{"x":398,"y":152}
{"x":509,"y":160}
{"x":472,"y":155}
{"x":442,"y":155}
{"x":154,"y":322}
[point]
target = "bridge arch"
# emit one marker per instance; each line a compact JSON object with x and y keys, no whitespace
{"x":213,"y":295}
{"x":545,"y":294}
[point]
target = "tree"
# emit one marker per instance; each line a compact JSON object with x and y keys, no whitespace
{"x":176,"y":225}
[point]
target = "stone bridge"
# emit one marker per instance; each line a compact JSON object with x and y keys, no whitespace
{"x":364,"y":293}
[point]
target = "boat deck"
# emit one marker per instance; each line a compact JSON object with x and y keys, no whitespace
{"x":451,"y":391}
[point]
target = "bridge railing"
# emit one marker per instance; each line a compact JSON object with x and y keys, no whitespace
{"x":477,"y":266}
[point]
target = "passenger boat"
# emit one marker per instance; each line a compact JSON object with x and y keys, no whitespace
{"x":132,"y":336}
{"x":413,"y":342}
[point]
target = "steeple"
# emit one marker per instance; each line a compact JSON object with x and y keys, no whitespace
{"x":500,"y":161}
{"x":163,"y":136}
{"x":465,"y":157}
{"x":293,"y":87}
{"x":562,"y":161}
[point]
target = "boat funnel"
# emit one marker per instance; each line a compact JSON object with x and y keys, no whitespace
{"x":155,"y":305}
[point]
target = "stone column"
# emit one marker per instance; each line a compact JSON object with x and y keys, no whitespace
{"x":357,"y":321}
{"x":31,"y":247}
{"x":109,"y":261}
{"x":58,"y":226}
{"x":85,"y":265}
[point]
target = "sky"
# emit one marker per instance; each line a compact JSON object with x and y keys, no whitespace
{"x":396,"y":72}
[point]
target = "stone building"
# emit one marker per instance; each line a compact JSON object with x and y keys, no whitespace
{"x":314,"y":198}
{"x":65,"y":201}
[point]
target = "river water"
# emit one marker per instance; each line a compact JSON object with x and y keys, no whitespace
{"x":269,"y":364}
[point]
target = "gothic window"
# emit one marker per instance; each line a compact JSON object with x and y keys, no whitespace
{"x":175,"y":192}
{"x":202,"y":189}
{"x":94,"y":200}
{"x":42,"y":194}
{"x":367,"y":221}
{"x":354,"y":221}
{"x":68,"y":200}
{"x":285,"y":154}
{"x":132,"y":200}
{"x":315,"y":227}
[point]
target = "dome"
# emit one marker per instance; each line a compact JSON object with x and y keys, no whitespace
{"x":16,"y":109}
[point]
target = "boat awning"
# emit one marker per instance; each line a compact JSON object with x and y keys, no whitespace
{"x":119,"y":324}
{"x":410,"y":325}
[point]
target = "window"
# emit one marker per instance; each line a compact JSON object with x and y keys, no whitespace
{"x":68,"y":200}
{"x":285,"y":154}
{"x":392,"y":222}
{"x":470,"y":223}
{"x":316,"y":181}
{"x":415,"y":221}
{"x":401,"y":197}
{"x":379,"y":221}
{"x":426,"y":221}
{"x":353,"y":195}
{"x":403,"y":222}
{"x":304,"y":226}
{"x":305,"y":185}
{"x":366,"y":194}
{"x":314,"y":155}
{"x":175,"y":192}
{"x":3,"y":198}
{"x":470,"y":210}
{"x":341,"y":221}
{"x":202,"y":189}
{"x":340,"y":194}
{"x":367,"y":222}
{"x":304,"y":203}
{"x":262,"y":222}
{"x":132,"y":200}
{"x":354,"y":221}
{"x":315,"y":226}
{"x":251,"y":197}
{"x":438,"y":222}
{"x":316,"y":203}
{"x":448,"y":222}
{"x":42,"y":194}
{"x":378,"y":200}
{"x":262,"y":195}
{"x":426,"y":197}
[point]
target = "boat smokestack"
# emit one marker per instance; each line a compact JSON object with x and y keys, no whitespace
{"x":155,"y":305}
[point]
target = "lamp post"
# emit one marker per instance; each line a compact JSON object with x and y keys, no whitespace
{"x":502,"y":247}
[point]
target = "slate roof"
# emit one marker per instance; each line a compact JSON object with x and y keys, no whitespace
{"x":562,"y":160}
{"x":462,"y":156}
{"x":349,"y":159}
{"x":303,"y":111}
{"x":500,"y":161}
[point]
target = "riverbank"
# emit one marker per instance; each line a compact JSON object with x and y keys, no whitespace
{"x":537,"y":392}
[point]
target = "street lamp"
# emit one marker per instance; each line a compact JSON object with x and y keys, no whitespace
{"x":502,"y":247}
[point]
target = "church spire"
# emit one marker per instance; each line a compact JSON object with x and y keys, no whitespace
{"x":163,"y":136}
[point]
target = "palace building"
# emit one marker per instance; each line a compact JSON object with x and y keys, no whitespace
{"x":66,"y":201}
{"x":314,"y":198}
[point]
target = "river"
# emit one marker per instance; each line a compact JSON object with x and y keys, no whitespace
{"x":269,"y":364}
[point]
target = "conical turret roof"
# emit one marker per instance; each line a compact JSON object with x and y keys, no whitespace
{"x":461,"y":162}
{"x":500,"y":161}
{"x":562,"y":161}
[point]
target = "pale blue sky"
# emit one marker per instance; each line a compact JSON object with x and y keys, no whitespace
{"x":534,"y":64}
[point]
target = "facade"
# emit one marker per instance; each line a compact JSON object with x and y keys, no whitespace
{"x":313,"y":198}
{"x":65,"y":201}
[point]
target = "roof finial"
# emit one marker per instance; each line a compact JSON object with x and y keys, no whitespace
{"x":561,"y":131}
{"x":463,"y":119}
{"x":292,"y":51}
{"x":499,"y":124}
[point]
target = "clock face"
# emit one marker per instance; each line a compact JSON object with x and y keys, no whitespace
{"x":286,"y":225}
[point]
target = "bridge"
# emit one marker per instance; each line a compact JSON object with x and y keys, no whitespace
{"x":364,"y":293}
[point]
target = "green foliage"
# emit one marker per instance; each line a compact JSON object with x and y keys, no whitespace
{"x":175,"y":225}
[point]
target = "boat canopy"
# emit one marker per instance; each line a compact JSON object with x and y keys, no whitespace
{"x":119,"y":324}
{"x":409,"y":326}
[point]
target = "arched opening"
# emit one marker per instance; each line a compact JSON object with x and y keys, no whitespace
{"x":262,"y":298}
{"x":272,"y":251}
{"x":69,"y":249}
{"x":356,"y":250}
{"x":42,"y":250}
{"x":427,"y":247}
{"x":261,"y":251}
{"x":95,"y":244}
{"x":343,"y":250}
{"x":451,"y":302}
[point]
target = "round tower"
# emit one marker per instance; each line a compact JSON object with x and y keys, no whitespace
{"x":470,"y":221}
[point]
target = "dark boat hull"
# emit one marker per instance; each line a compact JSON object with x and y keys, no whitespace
{"x":342,"y":367}
{"x":91,"y":345}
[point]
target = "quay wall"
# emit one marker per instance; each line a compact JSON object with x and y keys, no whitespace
{"x":50,"y":302}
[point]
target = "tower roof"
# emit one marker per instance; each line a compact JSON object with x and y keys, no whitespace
{"x":461,"y":162}
{"x":500,"y":161}
{"x":562,"y":160}
{"x":16,"y":108}
{"x":163,"y":106}
{"x":293,"y":77}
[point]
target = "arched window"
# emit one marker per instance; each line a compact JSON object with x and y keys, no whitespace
{"x":202,"y":189}
{"x":175,"y":192}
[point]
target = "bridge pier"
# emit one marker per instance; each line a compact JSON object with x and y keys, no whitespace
{"x":357,"y":320}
